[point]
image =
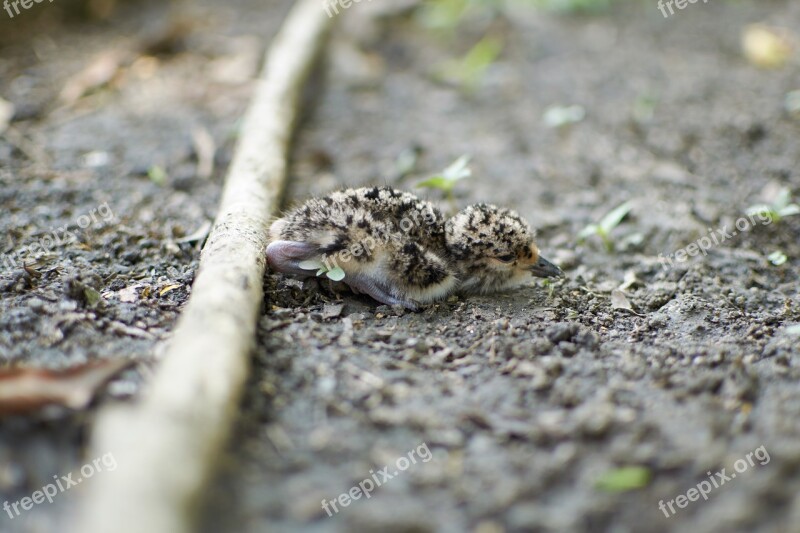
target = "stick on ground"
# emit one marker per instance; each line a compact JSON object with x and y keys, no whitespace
{"x":166,"y":446}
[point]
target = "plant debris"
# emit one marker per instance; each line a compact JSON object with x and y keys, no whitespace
{"x":24,"y":390}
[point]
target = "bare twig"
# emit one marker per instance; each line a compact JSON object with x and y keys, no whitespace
{"x":165,"y":447}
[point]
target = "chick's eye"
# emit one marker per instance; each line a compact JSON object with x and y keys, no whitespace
{"x":506,"y":258}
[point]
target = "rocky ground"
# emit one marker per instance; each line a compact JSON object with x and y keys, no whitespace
{"x":526,"y":410}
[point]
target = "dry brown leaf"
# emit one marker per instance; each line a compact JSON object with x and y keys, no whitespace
{"x":100,"y":71}
{"x":168,"y":288}
{"x":23,"y":390}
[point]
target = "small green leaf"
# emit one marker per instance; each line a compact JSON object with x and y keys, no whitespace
{"x":311,"y":264}
{"x":644,"y":107}
{"x":437,"y":182}
{"x":573,"y":6}
{"x":481,"y":56}
{"x":446,"y":181}
{"x":588,"y":231}
{"x":157,"y":175}
{"x":607,"y":242}
{"x":777,"y":258}
{"x":624,"y":479}
{"x":612,"y":220}
{"x":789,"y":210}
{"x":783,"y":199}
{"x":781,"y":207}
{"x":762,"y":209}
{"x":559,"y":116}
{"x":458,"y":169}
{"x":470,"y":69}
{"x":443,"y":14}
{"x":406,"y":161}
{"x":92,"y":296}
{"x":336,"y":274}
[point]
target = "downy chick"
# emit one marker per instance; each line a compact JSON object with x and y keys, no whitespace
{"x":400,"y":250}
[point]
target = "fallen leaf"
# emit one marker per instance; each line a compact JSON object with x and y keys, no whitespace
{"x":92,"y":296}
{"x":168,"y":288}
{"x":129,"y":294}
{"x":124,"y":329}
{"x":332,"y":311}
{"x":620,"y":301}
{"x":199,"y":235}
{"x":100,"y":71}
{"x":32,"y":271}
{"x":23,"y":390}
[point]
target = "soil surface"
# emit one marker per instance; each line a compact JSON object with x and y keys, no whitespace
{"x":519,"y":408}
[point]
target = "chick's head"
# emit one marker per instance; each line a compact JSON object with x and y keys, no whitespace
{"x":494,"y":248}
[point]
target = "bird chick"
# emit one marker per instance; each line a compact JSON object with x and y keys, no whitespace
{"x":400,"y":250}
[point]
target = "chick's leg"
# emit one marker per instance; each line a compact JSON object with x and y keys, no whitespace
{"x":361,"y":283}
{"x":286,"y":256}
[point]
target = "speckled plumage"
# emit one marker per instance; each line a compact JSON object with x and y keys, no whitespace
{"x":400,"y":249}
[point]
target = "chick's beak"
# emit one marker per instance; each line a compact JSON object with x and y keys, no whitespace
{"x":545,"y":269}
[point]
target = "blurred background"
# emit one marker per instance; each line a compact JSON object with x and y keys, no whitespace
{"x":624,"y":131}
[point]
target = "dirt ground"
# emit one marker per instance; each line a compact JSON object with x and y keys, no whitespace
{"x":527,"y":401}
